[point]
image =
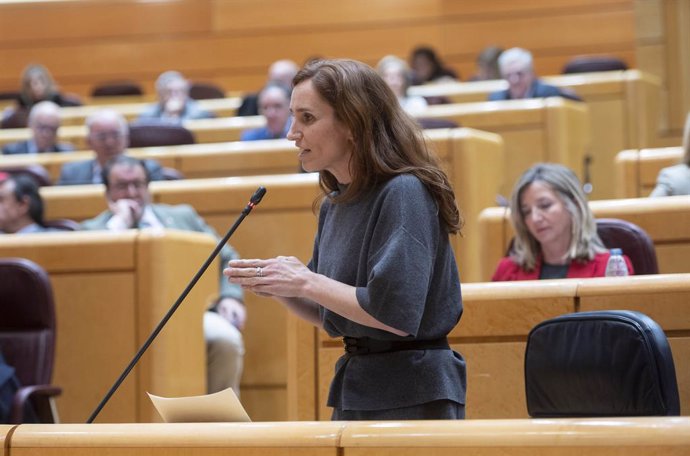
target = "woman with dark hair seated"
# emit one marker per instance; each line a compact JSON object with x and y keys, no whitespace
{"x":427,"y":67}
{"x":555,"y":230}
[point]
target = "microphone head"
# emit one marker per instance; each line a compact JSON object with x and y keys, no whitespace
{"x":258,"y":194}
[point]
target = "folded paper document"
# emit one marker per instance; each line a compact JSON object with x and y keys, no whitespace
{"x":223,"y":406}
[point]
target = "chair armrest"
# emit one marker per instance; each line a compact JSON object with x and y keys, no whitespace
{"x":22,"y":396}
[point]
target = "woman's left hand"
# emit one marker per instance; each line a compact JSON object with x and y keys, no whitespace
{"x":284,"y":277}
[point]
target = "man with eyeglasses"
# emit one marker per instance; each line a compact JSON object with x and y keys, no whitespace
{"x":108,"y":136}
{"x":129,"y":206}
{"x":44,"y":122}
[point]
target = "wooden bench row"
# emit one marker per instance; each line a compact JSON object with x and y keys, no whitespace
{"x":563,"y":437}
{"x":284,"y":224}
{"x":532,"y":130}
{"x":623,"y":113}
{"x":492,"y":335}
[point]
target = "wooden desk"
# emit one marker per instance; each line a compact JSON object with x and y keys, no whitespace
{"x":76,"y":115}
{"x":205,"y":130}
{"x":645,"y":436}
{"x":536,"y":130}
{"x":666,"y":220}
{"x":111,"y":290}
{"x":211,"y":439}
{"x":492,"y":335}
{"x":637,"y":169}
{"x":623,"y":109}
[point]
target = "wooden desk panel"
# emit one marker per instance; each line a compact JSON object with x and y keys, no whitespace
{"x":76,"y":115}
{"x":637,"y":169}
{"x":623,"y":108}
{"x":493,"y":332}
{"x":111,"y":289}
{"x":210,"y":439}
{"x":522,"y":437}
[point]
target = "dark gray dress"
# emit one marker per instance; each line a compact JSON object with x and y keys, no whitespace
{"x":391,"y":246}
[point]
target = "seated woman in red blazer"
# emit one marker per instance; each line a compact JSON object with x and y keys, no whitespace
{"x":555,"y":231}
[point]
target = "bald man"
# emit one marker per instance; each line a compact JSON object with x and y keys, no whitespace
{"x":281,"y":72}
{"x":44,"y":122}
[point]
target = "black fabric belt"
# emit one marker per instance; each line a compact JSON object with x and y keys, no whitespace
{"x":355,"y":346}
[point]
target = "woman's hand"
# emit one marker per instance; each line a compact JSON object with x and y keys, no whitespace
{"x":285,"y":277}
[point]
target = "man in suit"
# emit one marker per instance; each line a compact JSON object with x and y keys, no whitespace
{"x":129,"y":206}
{"x":44,"y":122}
{"x":108,"y":136}
{"x":274,"y":105}
{"x":21,"y":206}
{"x":517,"y":68}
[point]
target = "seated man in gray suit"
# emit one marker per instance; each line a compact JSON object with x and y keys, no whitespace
{"x":21,"y":206}
{"x":675,"y":180}
{"x":517,"y":68}
{"x":108,"y":136}
{"x":174,"y":103}
{"x":44,"y":122}
{"x":129,"y":206}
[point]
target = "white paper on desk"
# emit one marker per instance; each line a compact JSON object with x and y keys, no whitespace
{"x":223,"y":406}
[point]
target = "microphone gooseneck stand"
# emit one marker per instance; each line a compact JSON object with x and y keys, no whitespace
{"x":253,"y":201}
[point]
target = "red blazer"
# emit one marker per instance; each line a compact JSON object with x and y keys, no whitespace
{"x":509,"y":270}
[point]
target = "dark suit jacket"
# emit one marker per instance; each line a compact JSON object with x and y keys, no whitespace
{"x":22,"y":147}
{"x":181,"y":217}
{"x":81,"y":172}
{"x":539,"y":90}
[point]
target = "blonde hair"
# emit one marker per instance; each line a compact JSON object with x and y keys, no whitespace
{"x":585,"y":242}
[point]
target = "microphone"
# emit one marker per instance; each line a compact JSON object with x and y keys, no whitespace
{"x":253,"y":202}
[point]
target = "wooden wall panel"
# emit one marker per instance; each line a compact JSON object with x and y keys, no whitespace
{"x":232,"y":42}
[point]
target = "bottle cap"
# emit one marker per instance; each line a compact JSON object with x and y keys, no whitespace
{"x":616,"y":251}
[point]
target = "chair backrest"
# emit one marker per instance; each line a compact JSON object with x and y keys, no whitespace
{"x":429,"y":123}
{"x":604,"y":363}
{"x":205,"y":91}
{"x":116,"y":88}
{"x":27,"y":320}
{"x":632,"y":240}
{"x":38,"y":173}
{"x":15,"y":118}
{"x":9,"y":95}
{"x":62,"y":224}
{"x":590,"y":63}
{"x":150,"y":133}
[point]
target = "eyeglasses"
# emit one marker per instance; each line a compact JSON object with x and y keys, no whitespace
{"x":45,"y":128}
{"x":104,"y":135}
{"x":123,"y":186}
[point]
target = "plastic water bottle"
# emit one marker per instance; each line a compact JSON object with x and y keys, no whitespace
{"x":616,"y":266}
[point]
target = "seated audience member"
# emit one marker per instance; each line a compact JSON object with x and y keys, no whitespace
{"x":555,"y":230}
{"x":38,"y":85}
{"x":675,"y":180}
{"x":44,"y":122}
{"x":280,"y":71}
{"x":428,"y":68}
{"x":274,"y":105}
{"x":21,"y":205}
{"x":129,"y":206}
{"x":108,"y":136}
{"x":398,"y":76}
{"x":487,"y":64}
{"x":517,"y":68}
{"x":174,"y":103}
